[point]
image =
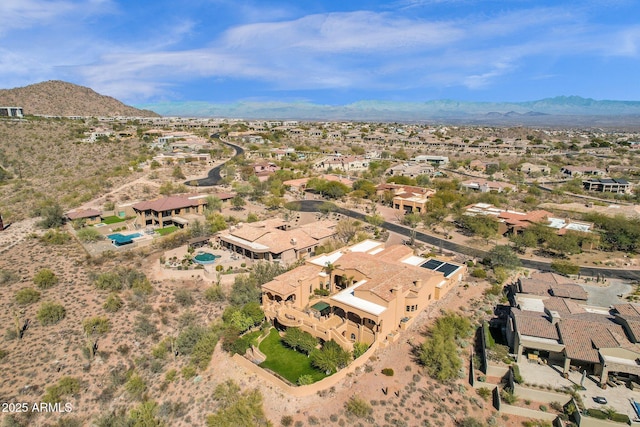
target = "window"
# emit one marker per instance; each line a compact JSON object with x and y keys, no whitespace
{"x":310,"y":290}
{"x":429,"y":296}
{"x":353,"y":336}
{"x":407,"y":309}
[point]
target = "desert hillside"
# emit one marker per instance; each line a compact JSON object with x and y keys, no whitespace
{"x":58,"y":98}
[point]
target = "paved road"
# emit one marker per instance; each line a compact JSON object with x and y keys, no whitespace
{"x":314,"y":206}
{"x":213,"y":177}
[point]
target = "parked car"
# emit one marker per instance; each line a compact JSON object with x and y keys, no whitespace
{"x":599,"y":399}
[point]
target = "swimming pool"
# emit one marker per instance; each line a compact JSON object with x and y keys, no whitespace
{"x":122,"y":239}
{"x":205,"y":258}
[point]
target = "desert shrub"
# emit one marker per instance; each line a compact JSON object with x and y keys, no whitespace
{"x":144,"y":415}
{"x":67,"y":386}
{"x":480,"y":273}
{"x":96,"y":325}
{"x":122,"y":278}
{"x":54,"y":237}
{"x":7,"y":277}
{"x":484,"y":393}
{"x":50,"y":313}
{"x":358,"y":407}
{"x":189,"y":372}
{"x":286,"y":421}
{"x":214,"y":294}
{"x":388,"y":372}
{"x":113,"y":303}
{"x":471,"y":422}
{"x":171,"y":375}
{"x":3,"y":354}
{"x":236,"y":408}
{"x":143,"y":326}
{"x":135,"y":386}
{"x":45,"y":278}
{"x":89,"y":235}
{"x":27,"y":296}
{"x":183,"y":297}
{"x":439,"y":352}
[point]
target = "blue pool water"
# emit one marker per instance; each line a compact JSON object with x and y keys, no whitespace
{"x":122,"y":239}
{"x":205,"y":258}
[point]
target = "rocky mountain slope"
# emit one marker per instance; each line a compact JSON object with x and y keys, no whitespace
{"x":58,"y":98}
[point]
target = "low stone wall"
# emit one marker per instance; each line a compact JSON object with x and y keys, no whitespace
{"x":526,"y":412}
{"x":542,"y":396}
{"x":306,"y":390}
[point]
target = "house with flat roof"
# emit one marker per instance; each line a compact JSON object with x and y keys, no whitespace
{"x":11,"y":112}
{"x":273,"y":240}
{"x":373,"y":292}
{"x":485,"y":186}
{"x":566,"y":332}
{"x":607,"y":185}
{"x":576,"y":171}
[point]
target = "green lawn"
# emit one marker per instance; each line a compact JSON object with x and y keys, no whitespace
{"x":166,"y":230}
{"x":285,"y":362}
{"x":112,"y":219}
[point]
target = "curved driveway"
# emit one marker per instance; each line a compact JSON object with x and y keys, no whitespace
{"x":213,"y":177}
{"x":314,"y":206}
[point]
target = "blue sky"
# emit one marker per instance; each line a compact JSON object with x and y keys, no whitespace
{"x":325,"y":51}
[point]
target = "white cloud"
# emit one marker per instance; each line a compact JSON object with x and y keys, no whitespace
{"x":353,"y":50}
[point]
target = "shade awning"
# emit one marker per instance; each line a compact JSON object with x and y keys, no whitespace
{"x":320,"y":306}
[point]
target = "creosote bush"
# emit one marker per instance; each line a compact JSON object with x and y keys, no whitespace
{"x":27,"y":296}
{"x":96,"y":325}
{"x":45,"y":278}
{"x":113,"y":303}
{"x":358,"y":407}
{"x":50,"y":313}
{"x":67,"y":386}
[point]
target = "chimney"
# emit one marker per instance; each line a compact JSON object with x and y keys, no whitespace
{"x":555,"y":316}
{"x":417,"y":283}
{"x":293,"y":241}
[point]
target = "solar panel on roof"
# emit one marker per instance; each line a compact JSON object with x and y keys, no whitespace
{"x":432,"y":264}
{"x":447,"y":269}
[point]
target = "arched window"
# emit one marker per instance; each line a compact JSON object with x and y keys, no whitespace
{"x":353,"y":336}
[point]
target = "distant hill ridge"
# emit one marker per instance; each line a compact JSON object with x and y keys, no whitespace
{"x":573,"y":109}
{"x":58,"y":98}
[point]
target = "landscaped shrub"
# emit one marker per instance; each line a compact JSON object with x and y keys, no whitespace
{"x":330,"y":358}
{"x":299,"y":340}
{"x":305,"y":380}
{"x":50,"y":313}
{"x":27,"y":296}
{"x":596,"y":413}
{"x":96,"y":325}
{"x":508,"y":396}
{"x":488,"y":338}
{"x":89,"y":235}
{"x":321,"y":292}
{"x":517,"y":377}
{"x":113,"y":303}
{"x":359,"y":348}
{"x":45,"y":278}
{"x":388,"y":372}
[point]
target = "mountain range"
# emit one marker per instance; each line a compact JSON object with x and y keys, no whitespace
{"x":558,"y":110}
{"x":58,"y":98}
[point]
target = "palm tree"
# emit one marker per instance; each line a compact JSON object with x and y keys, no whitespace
{"x":330,"y":268}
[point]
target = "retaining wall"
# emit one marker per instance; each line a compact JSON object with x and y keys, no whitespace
{"x":306,"y":390}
